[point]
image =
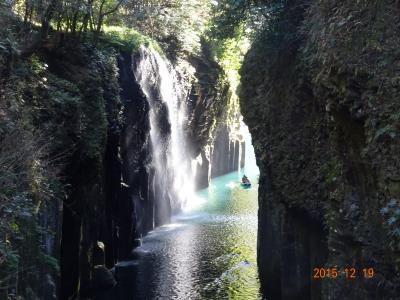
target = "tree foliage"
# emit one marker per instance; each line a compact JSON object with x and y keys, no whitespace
{"x":72,"y":16}
{"x":229,"y":17}
{"x":176,"y":24}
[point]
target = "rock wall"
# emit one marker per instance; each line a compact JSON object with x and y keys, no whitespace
{"x":319,"y":90}
{"x":129,"y":201}
{"x":220,"y":155}
{"x":97,"y":119}
{"x":77,"y":121}
{"x":87,"y":216}
{"x":217,"y":152}
{"x":226,"y":153}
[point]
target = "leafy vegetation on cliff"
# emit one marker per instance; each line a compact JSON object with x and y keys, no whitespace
{"x":48,"y":114}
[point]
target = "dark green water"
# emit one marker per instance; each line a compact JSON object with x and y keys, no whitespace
{"x":207,"y":252}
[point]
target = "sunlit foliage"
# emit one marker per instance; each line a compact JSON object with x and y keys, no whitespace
{"x":176,"y":24}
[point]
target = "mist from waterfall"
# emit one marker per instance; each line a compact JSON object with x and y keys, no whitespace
{"x":167,"y":95}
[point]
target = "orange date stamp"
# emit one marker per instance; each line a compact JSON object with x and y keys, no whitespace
{"x":350,"y":273}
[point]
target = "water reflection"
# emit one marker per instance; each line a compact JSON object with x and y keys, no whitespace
{"x":208,"y":252}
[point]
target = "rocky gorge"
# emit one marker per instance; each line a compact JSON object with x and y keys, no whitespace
{"x":105,"y":135}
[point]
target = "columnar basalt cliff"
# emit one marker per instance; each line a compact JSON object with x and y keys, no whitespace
{"x":217,"y":152}
{"x":320,"y":93}
{"x":106,"y":170}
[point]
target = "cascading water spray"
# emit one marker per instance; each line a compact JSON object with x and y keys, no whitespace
{"x":167,"y":96}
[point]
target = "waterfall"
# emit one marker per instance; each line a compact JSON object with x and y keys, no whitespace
{"x":167,"y":95}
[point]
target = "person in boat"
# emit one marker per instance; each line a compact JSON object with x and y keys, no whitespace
{"x":245,"y":180}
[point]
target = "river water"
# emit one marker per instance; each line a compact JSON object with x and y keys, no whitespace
{"x":207,"y":252}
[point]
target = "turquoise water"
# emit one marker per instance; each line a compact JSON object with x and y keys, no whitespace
{"x":207,"y":252}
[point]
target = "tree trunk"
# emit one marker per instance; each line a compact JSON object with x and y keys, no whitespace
{"x":48,"y":15}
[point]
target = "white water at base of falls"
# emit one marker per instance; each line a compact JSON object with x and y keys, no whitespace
{"x":163,"y":87}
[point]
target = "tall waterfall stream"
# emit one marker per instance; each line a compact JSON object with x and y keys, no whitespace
{"x":167,"y":96}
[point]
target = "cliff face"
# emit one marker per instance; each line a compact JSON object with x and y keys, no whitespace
{"x":53,"y":107}
{"x":105,"y":172}
{"x":211,"y":141}
{"x":319,"y":94}
{"x":129,"y":202}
